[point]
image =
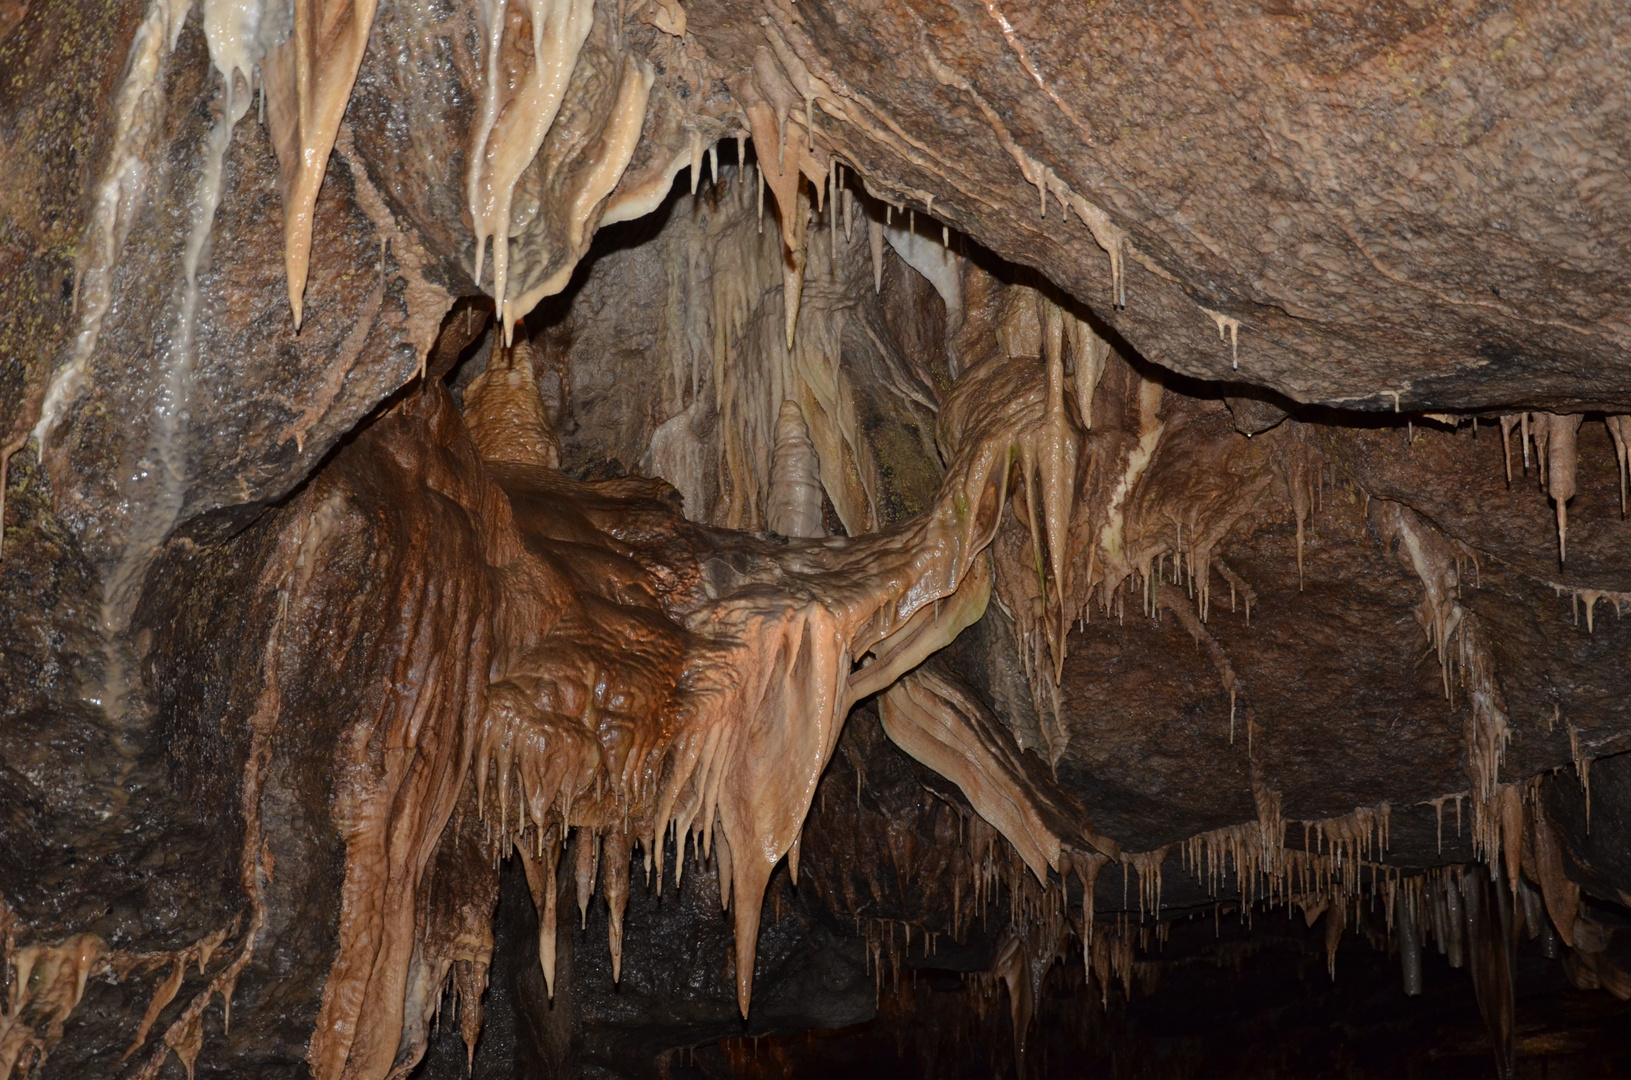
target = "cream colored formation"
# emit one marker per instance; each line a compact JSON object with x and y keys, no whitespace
{"x":763,"y":696}
{"x":1553,"y":439}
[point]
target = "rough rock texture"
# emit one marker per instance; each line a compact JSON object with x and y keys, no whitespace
{"x":1399,"y":199}
{"x":1323,"y":309}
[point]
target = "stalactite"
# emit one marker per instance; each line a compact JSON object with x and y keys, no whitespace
{"x":135,"y":120}
{"x":1590,"y":598}
{"x":1619,"y":428}
{"x":941,"y":266}
{"x":1408,"y":935}
{"x":1562,"y":896}
{"x":606,"y":167}
{"x":506,"y":144}
{"x":1508,"y":422}
{"x":945,"y":728}
{"x":617,"y":850}
{"x":308,"y":83}
{"x":874,"y":238}
{"x":753,"y":374}
{"x":1491,"y":942}
{"x":48,"y":981}
{"x":1172,"y":598}
{"x":759,"y":663}
{"x":1089,"y":354}
{"x":768,"y":95}
{"x":696,"y":160}
{"x":1562,"y":432}
{"x":1147,"y":866}
{"x":731,"y":757}
{"x":541,"y":868}
{"x":586,"y":865}
{"x":1228,"y":329}
{"x":1434,"y":560}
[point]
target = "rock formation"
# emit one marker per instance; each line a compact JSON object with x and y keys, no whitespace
{"x":690,"y":538}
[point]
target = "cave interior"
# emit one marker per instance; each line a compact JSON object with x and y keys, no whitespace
{"x":1141,"y":489}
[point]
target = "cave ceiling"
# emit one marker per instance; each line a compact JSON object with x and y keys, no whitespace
{"x":752,"y":537}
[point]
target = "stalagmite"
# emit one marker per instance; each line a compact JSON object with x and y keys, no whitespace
{"x":508,"y":422}
{"x":794,"y":507}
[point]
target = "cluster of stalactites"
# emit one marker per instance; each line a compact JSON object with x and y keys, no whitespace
{"x":304,"y":56}
{"x":602,"y":856}
{"x":1063,"y":544}
{"x":769,"y":678}
{"x":46,"y":982}
{"x":732,"y":359}
{"x":1553,"y":441}
{"x":1525,"y":857}
{"x":1336,"y":876}
{"x":1131,"y":517}
{"x":1461,"y":642}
